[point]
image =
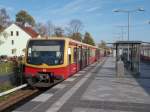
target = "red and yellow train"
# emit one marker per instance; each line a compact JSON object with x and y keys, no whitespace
{"x":145,"y":52}
{"x":57,"y":58}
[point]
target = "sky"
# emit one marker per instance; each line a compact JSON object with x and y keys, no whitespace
{"x":97,"y":16}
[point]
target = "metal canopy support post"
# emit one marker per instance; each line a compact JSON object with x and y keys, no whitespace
{"x":131,"y":57}
{"x":139,"y":51}
{"x":116,"y":54}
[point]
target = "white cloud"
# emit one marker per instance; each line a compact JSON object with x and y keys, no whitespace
{"x":74,"y":4}
{"x":71,"y":7}
{"x":77,"y":6}
{"x":8,"y":8}
{"x":92,"y":9}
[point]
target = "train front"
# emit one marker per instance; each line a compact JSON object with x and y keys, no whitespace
{"x":45,"y":61}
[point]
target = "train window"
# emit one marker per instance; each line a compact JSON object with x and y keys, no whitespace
{"x":93,"y":52}
{"x":36,"y":54}
{"x":79,"y":54}
{"x":46,"y":48}
{"x":44,"y":51}
{"x":29,"y":51}
{"x":145,"y":52}
{"x":69,"y":51}
{"x":83,"y":54}
{"x":90,"y":53}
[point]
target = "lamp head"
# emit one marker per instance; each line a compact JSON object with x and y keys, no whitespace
{"x":141,"y":9}
{"x":116,"y":10}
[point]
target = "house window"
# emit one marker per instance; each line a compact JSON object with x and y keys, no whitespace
{"x":17,"y":33}
{"x":11,"y":33}
{"x":13,"y":51}
{"x":12,"y":42}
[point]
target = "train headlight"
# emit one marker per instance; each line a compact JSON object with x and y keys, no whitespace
{"x":44,"y":70}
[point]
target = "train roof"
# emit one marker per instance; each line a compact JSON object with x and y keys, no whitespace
{"x":128,"y":42}
{"x":145,"y":45}
{"x":65,"y":38}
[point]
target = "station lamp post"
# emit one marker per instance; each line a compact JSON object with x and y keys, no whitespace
{"x":122,"y":31}
{"x":128,"y":12}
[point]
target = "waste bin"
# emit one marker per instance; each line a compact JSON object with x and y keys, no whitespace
{"x":120,"y":69}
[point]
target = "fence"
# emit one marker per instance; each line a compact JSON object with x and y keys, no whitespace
{"x":11,"y":73}
{"x":6,"y":68}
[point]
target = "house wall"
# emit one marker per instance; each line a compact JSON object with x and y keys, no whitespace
{"x":19,"y":41}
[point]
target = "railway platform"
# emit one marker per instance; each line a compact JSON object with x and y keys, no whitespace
{"x":95,"y":89}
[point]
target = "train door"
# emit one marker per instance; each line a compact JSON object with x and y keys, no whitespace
{"x":89,"y":55}
{"x":69,"y":60}
{"x":86,"y":58}
{"x":75,"y":58}
{"x":83,"y":57}
{"x":96,"y":54}
{"x":80,"y":57}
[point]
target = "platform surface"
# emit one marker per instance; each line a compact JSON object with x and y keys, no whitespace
{"x":95,"y":89}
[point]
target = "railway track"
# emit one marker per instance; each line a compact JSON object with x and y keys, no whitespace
{"x":17,"y":99}
{"x":22,"y":96}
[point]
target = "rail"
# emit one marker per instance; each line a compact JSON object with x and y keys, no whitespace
{"x":13,"y":90}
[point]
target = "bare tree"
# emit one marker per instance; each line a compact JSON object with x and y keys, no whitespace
{"x":4,"y":18}
{"x":88,"y":39}
{"x":41,"y":29}
{"x":102,"y":44}
{"x":58,"y":32}
{"x":76,"y":36}
{"x":3,"y":35}
{"x":50,"y":28}
{"x":75,"y":26}
{"x":4,"y":22}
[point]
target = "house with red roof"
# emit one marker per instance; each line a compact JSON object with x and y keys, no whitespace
{"x":15,"y":39}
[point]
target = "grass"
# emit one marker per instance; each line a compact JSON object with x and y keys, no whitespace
{"x":3,"y":98}
{"x":6,"y":68}
{"x":4,"y":87}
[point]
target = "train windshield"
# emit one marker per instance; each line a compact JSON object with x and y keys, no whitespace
{"x":50,"y":52}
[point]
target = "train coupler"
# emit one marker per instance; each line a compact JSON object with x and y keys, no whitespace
{"x":51,"y":78}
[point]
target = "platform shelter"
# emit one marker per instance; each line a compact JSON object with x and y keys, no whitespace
{"x":129,"y":53}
